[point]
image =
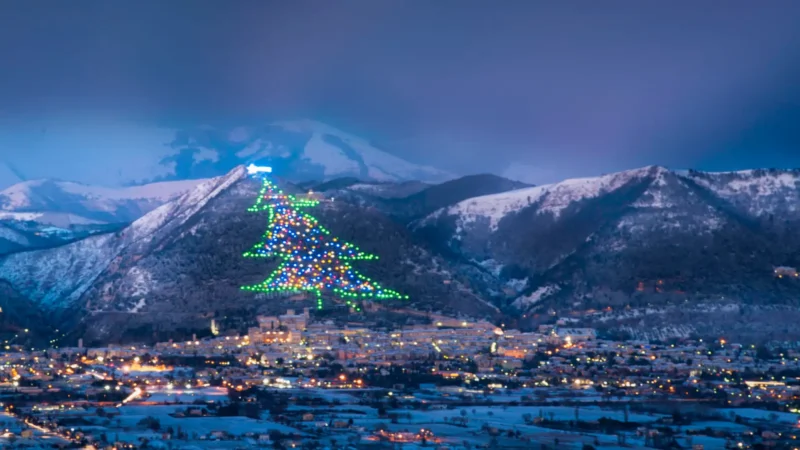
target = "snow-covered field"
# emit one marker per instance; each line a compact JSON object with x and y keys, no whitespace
{"x":513,"y":416}
{"x":760,"y":414}
{"x":131,"y":415}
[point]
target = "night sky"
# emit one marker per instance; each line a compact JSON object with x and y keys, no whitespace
{"x":539,"y":91}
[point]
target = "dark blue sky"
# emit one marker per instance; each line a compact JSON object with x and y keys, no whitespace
{"x":553,"y":89}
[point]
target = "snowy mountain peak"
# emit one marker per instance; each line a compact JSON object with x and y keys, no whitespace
{"x":759,"y":191}
{"x":549,"y":198}
{"x":343,"y":154}
{"x":299,"y":150}
{"x":70,"y":269}
{"x":181,"y":208}
{"x":63,"y":203}
{"x":755,"y":192}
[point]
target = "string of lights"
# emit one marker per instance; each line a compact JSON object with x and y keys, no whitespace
{"x":313,"y":260}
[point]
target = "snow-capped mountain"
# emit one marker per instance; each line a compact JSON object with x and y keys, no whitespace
{"x":757,"y":192}
{"x":639,"y":240}
{"x":651,"y":232}
{"x":64,"y":203}
{"x":181,"y":263}
{"x":548,"y":199}
{"x":298,"y":150}
{"x":754,"y":193}
{"x":66,"y":272}
{"x":409,"y":201}
{"x":46,"y":213}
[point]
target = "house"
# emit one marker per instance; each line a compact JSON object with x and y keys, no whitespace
{"x":770,"y":435}
{"x":340,"y":424}
{"x":572,"y":335}
{"x":218,"y":434}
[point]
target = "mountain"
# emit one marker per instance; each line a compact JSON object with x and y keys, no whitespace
{"x":45,"y":213}
{"x":384,"y":190}
{"x":453,"y":191}
{"x":649,"y":252}
{"x":408,"y":201}
{"x":21,"y":322}
{"x":299,"y":150}
{"x":180,"y":265}
{"x":64,"y":203}
{"x":634,"y":239}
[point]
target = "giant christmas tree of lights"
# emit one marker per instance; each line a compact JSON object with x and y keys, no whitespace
{"x":313,"y":261}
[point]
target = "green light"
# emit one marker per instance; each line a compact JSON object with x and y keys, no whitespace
{"x":313,"y":261}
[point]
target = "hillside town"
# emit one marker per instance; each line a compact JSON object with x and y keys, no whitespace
{"x":297,"y":382}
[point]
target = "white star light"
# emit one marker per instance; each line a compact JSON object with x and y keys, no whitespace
{"x":253,"y":169}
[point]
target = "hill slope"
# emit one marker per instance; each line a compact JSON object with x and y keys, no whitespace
{"x":64,"y":203}
{"x":636,"y":238}
{"x":649,"y":251}
{"x":179,"y":265}
{"x":47,"y":213}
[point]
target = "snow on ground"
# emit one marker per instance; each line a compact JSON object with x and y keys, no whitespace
{"x":329,"y":156}
{"x":526,"y":301}
{"x":131,"y":415}
{"x":162,"y":191}
{"x":760,"y":414}
{"x":184,"y":206}
{"x":64,"y":273}
{"x":141,"y":282}
{"x":381,"y":165}
{"x":186,"y":395}
{"x":512,"y":418}
{"x":762,"y":191}
{"x":512,"y":415}
{"x":39,"y":439}
{"x":549,"y":198}
{"x":26,"y":194}
{"x":12,"y":235}
{"x":492,"y":265}
{"x":327,"y":395}
{"x":748,"y":182}
{"x":57,"y":219}
{"x":732,"y":427}
{"x":517,"y":284}
{"x":138,"y":306}
{"x":367,"y":188}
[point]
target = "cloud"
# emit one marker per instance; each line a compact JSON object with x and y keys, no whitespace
{"x":640,"y":83}
{"x":89,"y":151}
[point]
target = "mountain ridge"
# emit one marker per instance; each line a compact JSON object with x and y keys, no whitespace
{"x":649,"y":239}
{"x":306,"y":149}
{"x":145,"y":274}
{"x":648,"y":233}
{"x":97,"y":203}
